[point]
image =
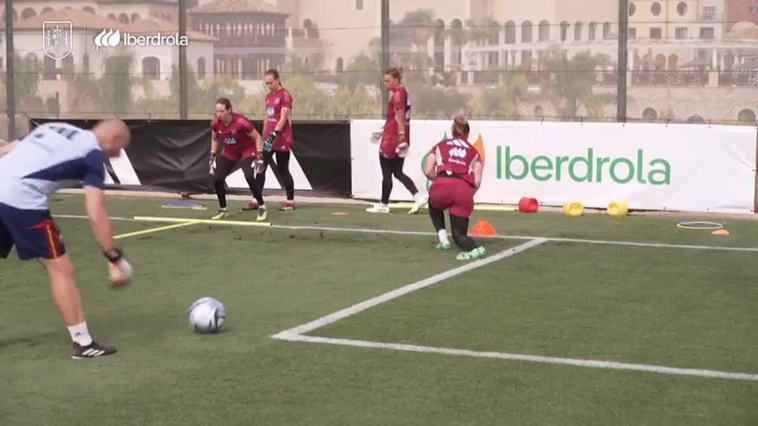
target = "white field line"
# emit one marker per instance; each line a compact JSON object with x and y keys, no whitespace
{"x":587,"y":363}
{"x":292,"y":334}
{"x":402,"y":291}
{"x":420,"y":233}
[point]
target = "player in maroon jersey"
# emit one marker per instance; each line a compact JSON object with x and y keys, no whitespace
{"x":242,"y":145}
{"x":277,"y":137}
{"x":455,"y":169}
{"x":395,"y":143}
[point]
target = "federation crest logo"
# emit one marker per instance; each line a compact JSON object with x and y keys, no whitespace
{"x":57,"y":38}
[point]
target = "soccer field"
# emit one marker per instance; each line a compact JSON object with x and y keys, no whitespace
{"x":356,"y":319}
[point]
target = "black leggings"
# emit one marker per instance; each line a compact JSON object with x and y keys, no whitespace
{"x":225,"y":167}
{"x":281,"y":168}
{"x":459,"y":225}
{"x":394,"y":166}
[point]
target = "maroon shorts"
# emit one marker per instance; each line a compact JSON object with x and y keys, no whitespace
{"x":237,"y":153}
{"x":454,"y":194}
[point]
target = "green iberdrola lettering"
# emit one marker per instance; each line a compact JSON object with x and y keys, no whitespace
{"x":589,"y":168}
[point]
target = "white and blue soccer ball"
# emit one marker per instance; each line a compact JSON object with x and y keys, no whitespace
{"x":206,"y":315}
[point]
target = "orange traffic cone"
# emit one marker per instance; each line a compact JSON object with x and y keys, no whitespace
{"x":483,"y":228}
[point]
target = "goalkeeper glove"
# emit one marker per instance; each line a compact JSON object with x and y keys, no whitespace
{"x":268,"y":143}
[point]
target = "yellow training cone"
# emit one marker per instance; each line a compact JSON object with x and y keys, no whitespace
{"x":720,"y":232}
{"x":573,"y":208}
{"x":618,"y":208}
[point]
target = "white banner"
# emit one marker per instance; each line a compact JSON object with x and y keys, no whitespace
{"x":696,"y":168}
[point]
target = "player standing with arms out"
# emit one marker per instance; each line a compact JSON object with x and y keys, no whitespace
{"x":51,"y":156}
{"x":243,"y":146}
{"x":455,"y":169}
{"x":278,"y":139}
{"x":395,"y":143}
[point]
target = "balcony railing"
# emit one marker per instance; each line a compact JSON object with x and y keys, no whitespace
{"x":669,"y":78}
{"x":738,"y":78}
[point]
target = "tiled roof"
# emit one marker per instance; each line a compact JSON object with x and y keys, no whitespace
{"x":78,"y":18}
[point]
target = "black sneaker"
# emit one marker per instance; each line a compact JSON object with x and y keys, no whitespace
{"x":93,"y":350}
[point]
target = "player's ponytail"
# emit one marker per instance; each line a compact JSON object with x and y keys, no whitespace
{"x":460,"y":127}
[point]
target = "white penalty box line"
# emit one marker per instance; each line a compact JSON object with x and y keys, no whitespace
{"x":297,"y":334}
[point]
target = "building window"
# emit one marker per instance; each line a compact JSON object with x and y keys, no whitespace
{"x":564,"y":30}
{"x":593,"y":29}
{"x":151,"y":68}
{"x":681,"y":8}
{"x":607,"y":30}
{"x":655,"y":9}
{"x":358,"y":4}
{"x":86,"y":9}
{"x":544,"y":31}
{"x":649,"y":114}
{"x":632,"y":33}
{"x":201,"y":68}
{"x":681,"y":33}
{"x":578,"y":31}
{"x":510,"y":32}
{"x":632,"y":9}
{"x":123,"y":18}
{"x":135,"y":17}
{"x":707,"y":33}
{"x":746,"y":116}
{"x":656,"y":33}
{"x":709,"y":13}
{"x":526,"y":32}
{"x":340,"y":65}
{"x":28,"y":13}
{"x":85,"y":63}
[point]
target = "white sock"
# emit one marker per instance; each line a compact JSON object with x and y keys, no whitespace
{"x":262,"y":206}
{"x":442,"y":234}
{"x":80,"y":334}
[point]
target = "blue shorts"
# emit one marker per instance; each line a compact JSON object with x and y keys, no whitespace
{"x":33,"y":232}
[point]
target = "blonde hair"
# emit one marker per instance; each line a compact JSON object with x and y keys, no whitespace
{"x":460,"y":126}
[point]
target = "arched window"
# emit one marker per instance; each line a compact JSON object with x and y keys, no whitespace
{"x":28,"y":13}
{"x":746,"y":116}
{"x":649,"y":114}
{"x":88,"y":9}
{"x":340,"y":65}
{"x":564,"y":30}
{"x":123,"y":18}
{"x":135,"y":17}
{"x":544,"y":31}
{"x":510,"y":32}
{"x":592,"y":31}
{"x":151,"y":68}
{"x":578,"y":31}
{"x":526,"y":32}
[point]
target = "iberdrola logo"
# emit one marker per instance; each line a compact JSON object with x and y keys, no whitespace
{"x":478,"y":145}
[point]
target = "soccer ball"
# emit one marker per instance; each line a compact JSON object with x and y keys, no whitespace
{"x":206,"y":315}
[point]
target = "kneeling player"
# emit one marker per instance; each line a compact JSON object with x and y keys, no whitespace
{"x":455,"y":169}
